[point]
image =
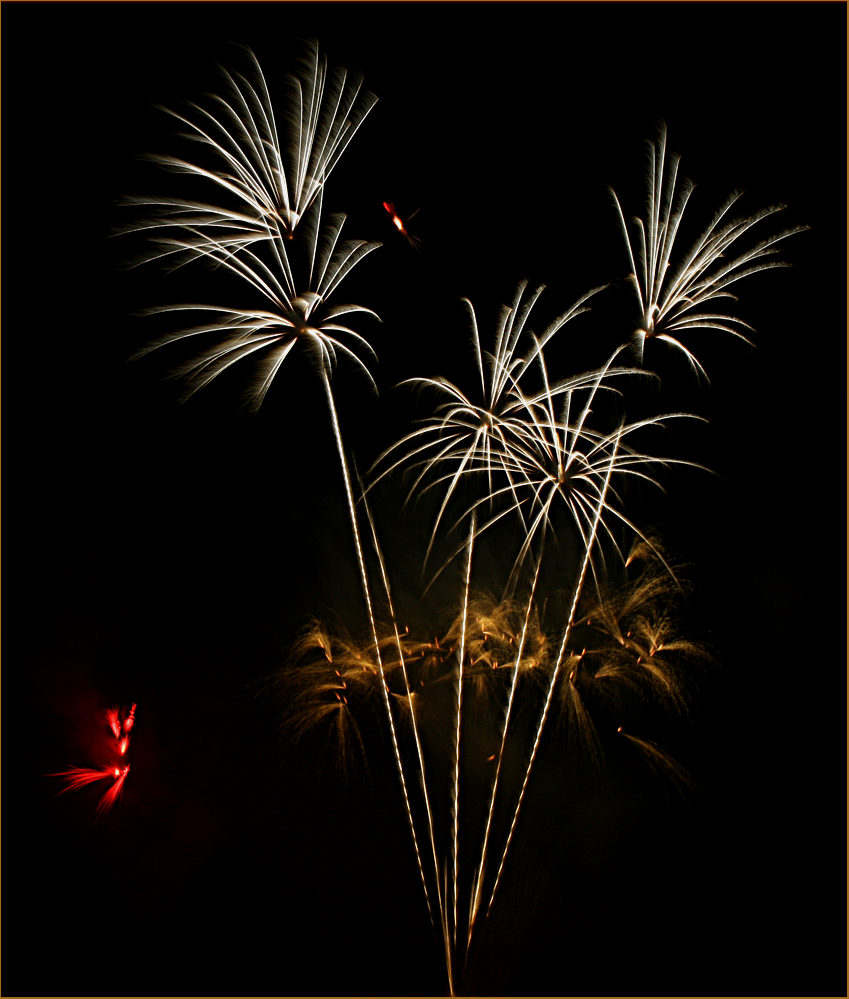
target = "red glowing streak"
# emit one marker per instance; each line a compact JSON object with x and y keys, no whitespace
{"x":399,"y":225}
{"x":130,"y":720}
{"x":396,"y":221}
{"x":112,"y":717}
{"x":77,"y":777}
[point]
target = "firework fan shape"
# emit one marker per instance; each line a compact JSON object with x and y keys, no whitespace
{"x":523,"y":445}
{"x":272,"y":172}
{"x":671,"y":294}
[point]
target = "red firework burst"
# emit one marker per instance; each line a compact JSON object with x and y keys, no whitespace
{"x":120,"y":722}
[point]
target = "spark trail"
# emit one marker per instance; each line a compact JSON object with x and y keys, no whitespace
{"x":566,"y":633}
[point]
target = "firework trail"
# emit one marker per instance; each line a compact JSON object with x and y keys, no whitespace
{"x":566,"y":634}
{"x":415,"y":729}
{"x":456,"y":795}
{"x":481,"y":869}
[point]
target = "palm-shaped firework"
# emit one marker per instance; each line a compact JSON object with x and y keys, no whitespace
{"x":522,"y":444}
{"x":285,"y":254}
{"x":671,"y":294}
{"x":295,"y":313}
{"x":272,"y":172}
{"x":529,"y":441}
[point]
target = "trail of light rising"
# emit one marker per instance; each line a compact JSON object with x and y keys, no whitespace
{"x":481,"y":869}
{"x":567,"y":631}
{"x":367,"y":594}
{"x":456,"y":796}
{"x":414,"y":722}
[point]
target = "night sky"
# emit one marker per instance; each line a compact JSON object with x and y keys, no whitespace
{"x":167,"y":554}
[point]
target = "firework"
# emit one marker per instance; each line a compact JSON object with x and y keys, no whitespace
{"x":493,"y":677}
{"x":671,"y":294}
{"x":295,"y":273}
{"x":400,"y":225}
{"x":120,"y":722}
{"x":277,"y":171}
{"x":529,"y":444}
{"x":274,"y":171}
{"x":544,"y":452}
{"x":269,"y":335}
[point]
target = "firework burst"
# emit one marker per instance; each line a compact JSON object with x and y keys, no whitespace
{"x":272,"y":171}
{"x":672,"y":294}
{"x":120,"y":723}
{"x":550,"y":454}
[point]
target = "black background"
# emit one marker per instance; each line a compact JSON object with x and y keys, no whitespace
{"x":165,"y":554}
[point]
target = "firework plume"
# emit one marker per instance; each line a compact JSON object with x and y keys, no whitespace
{"x":467,"y":703}
{"x":672,"y":293}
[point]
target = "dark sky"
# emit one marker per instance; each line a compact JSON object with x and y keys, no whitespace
{"x":166,"y":554}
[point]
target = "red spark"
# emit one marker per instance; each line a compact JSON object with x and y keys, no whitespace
{"x":399,"y":225}
{"x":396,"y":221}
{"x":78,"y":777}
